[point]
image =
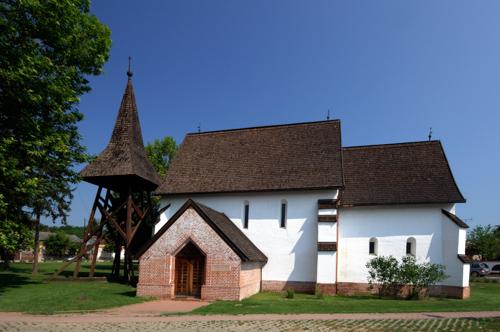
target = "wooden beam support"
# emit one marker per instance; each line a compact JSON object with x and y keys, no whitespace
{"x":88,"y":230}
{"x":94,"y":255}
{"x":77,"y":257}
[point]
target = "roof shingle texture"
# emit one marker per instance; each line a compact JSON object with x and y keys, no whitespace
{"x":236,"y":236}
{"x":406,"y":173}
{"x":125,"y":154}
{"x":296,"y":156}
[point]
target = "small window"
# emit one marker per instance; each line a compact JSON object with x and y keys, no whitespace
{"x":372,"y":246}
{"x":410,"y":246}
{"x":283,"y":214}
{"x":245,"y":214}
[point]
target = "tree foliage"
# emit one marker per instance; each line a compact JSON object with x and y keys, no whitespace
{"x":160,"y":153}
{"x":47,"y":48}
{"x":391,"y":276}
{"x":59,"y":245}
{"x":484,"y":241}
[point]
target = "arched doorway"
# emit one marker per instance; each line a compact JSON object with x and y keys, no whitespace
{"x":189,"y":271}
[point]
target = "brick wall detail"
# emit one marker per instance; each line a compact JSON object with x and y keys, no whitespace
{"x":327,"y":289}
{"x":222,"y":270}
{"x":250,"y":277}
{"x":353,"y":288}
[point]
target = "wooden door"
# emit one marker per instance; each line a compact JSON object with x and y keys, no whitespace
{"x":188,"y":276}
{"x":181,"y":276}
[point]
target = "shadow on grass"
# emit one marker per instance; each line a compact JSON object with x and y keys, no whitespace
{"x":12,"y":280}
{"x":129,"y":294}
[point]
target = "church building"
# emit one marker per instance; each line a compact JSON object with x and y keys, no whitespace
{"x":288,"y":206}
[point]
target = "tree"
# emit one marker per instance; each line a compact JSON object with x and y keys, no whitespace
{"x":14,"y":236}
{"x":57,"y":245}
{"x":48,"y":47}
{"x":484,"y":241}
{"x":160,"y":153}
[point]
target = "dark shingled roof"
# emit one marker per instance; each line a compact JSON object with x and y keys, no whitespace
{"x":283,"y":157}
{"x":464,"y":259}
{"x":124,"y":157}
{"x":459,"y":222}
{"x":222,"y":225}
{"x":405,"y":173}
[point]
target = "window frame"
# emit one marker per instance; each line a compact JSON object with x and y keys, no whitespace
{"x":283,"y":213}
{"x":246,"y":214}
{"x":412,"y":243}
{"x":375,"y":246}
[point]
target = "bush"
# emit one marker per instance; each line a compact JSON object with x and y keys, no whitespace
{"x":290,"y":293}
{"x":419,"y":277}
{"x":384,"y":272}
{"x":392,"y":276}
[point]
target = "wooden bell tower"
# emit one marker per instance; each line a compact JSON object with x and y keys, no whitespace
{"x":125,"y":180}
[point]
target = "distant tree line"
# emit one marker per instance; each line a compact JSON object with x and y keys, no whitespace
{"x":484,"y":241}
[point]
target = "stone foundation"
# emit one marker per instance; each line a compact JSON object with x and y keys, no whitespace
{"x":279,"y":286}
{"x":327,"y":289}
{"x":353,"y":288}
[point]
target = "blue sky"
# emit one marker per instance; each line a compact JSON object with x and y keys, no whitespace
{"x":388,"y":69}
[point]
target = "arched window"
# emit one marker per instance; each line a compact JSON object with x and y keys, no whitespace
{"x":372,"y":248}
{"x":283,"y":214}
{"x":246,"y":211}
{"x":411,"y":246}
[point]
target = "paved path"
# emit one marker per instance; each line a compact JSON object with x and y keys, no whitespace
{"x":115,"y":315}
{"x":147,"y":316}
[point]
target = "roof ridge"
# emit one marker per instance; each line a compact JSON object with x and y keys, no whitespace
{"x":389,"y":145}
{"x":294,"y":124}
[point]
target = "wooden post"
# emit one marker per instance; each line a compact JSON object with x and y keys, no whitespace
{"x":94,"y":255}
{"x":88,"y":231}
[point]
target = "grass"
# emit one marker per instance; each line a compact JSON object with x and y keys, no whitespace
{"x":22,"y":292}
{"x":484,"y":297}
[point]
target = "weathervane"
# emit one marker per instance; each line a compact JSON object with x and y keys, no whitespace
{"x":430,"y":133}
{"x":129,"y":72}
{"x":328,"y":115}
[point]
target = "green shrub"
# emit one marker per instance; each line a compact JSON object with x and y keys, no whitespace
{"x":290,"y":293}
{"x":391,"y":275}
{"x":383,"y":272}
{"x":419,"y":276}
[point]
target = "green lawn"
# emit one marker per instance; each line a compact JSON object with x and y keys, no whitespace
{"x":485,"y":296}
{"x":20,"y":291}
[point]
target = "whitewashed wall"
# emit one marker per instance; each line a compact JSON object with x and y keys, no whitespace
{"x":291,"y":251}
{"x":453,"y":244}
{"x":438,"y":239}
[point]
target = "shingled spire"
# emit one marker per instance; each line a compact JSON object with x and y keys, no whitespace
{"x":124,"y":172}
{"x":124,"y":160}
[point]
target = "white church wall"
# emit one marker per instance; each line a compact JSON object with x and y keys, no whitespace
{"x":327,"y":267}
{"x":327,"y":232}
{"x":391,"y":226}
{"x":454,"y":244}
{"x":291,"y":251}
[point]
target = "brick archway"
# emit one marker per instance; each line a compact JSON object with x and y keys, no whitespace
{"x":190,"y":268}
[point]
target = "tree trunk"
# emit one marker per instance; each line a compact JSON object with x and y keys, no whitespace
{"x":5,"y":256}
{"x":37,"y":244}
